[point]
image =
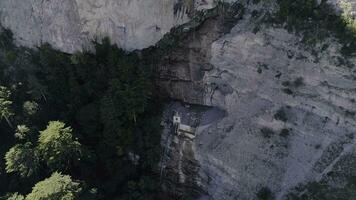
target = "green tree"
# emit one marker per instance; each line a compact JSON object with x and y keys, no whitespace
{"x":15,"y":196}
{"x":21,"y":131}
{"x":265,"y":194}
{"x":22,"y":159}
{"x":5,"y":105}
{"x":30,"y":107}
{"x":56,"y":187}
{"x":58,"y":147}
{"x":131,"y":92}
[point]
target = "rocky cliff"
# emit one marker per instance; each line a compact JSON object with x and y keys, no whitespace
{"x":70,"y":25}
{"x":289,"y":112}
{"x":273,"y":113}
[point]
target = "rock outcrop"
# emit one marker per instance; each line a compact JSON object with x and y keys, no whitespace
{"x":291,"y":113}
{"x":290,"y":110}
{"x":70,"y":25}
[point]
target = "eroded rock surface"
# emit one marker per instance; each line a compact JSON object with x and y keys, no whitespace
{"x":293,"y":114}
{"x":69,"y":25}
{"x":290,"y":110}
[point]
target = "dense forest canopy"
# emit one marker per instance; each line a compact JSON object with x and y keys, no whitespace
{"x":72,"y":124}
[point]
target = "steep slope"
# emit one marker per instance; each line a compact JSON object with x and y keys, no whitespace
{"x":289,"y":111}
{"x":70,"y":25}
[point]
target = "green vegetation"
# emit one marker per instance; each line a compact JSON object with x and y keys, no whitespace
{"x":323,"y":191}
{"x":281,"y":115}
{"x":288,"y":91}
{"x":284,"y":132}
{"x":57,"y":146}
{"x":21,"y":132}
{"x":298,"y":82}
{"x":265,"y":194}
{"x":30,"y":107}
{"x":184,"y":5}
{"x":5,"y":104}
{"x":339,"y":184}
{"x":347,"y":16}
{"x":22,"y":158}
{"x":316,"y":22}
{"x":81,"y":115}
{"x":289,"y":87}
{"x":267,"y":132}
{"x":15,"y":196}
{"x":56,"y":187}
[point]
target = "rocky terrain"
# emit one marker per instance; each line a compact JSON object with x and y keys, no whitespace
{"x":70,"y":25}
{"x":290,"y":113}
{"x":272,"y":114}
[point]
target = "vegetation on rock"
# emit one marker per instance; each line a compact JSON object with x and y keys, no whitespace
{"x":317,"y":20}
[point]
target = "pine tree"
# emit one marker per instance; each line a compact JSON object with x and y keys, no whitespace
{"x":56,"y":187}
{"x":22,"y":159}
{"x":58,"y":147}
{"x":15,"y":196}
{"x":5,"y":105}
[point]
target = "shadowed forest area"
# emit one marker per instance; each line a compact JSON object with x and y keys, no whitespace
{"x":87,"y":123}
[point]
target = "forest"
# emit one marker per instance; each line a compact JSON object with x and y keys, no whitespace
{"x":87,"y":125}
{"x":80,"y":126}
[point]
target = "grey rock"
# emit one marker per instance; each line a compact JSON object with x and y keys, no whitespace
{"x":287,"y":124}
{"x":69,"y":25}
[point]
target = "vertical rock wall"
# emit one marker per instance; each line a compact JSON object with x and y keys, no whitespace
{"x":290,"y":112}
{"x":69,"y":25}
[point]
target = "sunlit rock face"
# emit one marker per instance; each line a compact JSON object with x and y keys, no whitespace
{"x":289,"y":112}
{"x":69,"y":25}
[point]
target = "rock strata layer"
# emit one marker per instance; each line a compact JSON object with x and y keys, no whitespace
{"x":69,"y":25}
{"x":290,"y":112}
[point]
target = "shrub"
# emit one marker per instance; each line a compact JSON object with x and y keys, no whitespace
{"x":284,"y":132}
{"x":265,"y":194}
{"x":298,"y":82}
{"x":315,"y":22}
{"x":287,"y":91}
{"x":30,"y":107}
{"x":267,"y":132}
{"x":281,"y":115}
{"x":21,"y":132}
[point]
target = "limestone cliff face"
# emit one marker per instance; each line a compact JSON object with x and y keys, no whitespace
{"x":69,"y":25}
{"x":290,"y":112}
